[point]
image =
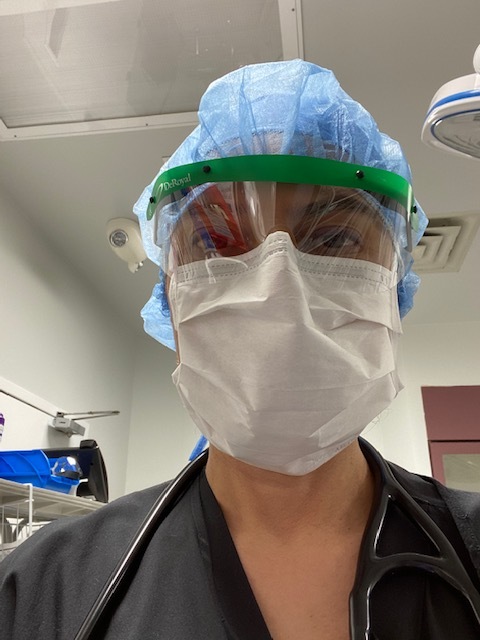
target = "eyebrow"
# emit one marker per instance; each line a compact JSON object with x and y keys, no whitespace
{"x":365,"y":205}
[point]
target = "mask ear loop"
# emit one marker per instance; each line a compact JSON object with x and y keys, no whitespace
{"x":220,"y":261}
{"x":172,"y":302}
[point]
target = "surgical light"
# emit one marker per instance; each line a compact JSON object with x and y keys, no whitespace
{"x":453,"y":118}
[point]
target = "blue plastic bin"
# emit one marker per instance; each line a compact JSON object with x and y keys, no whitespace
{"x":34,"y":467}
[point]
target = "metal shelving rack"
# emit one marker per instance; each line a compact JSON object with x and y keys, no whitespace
{"x":24,"y":509}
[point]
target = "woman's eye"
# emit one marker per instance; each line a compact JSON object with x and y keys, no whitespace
{"x":332,"y":240}
{"x":339,"y":239}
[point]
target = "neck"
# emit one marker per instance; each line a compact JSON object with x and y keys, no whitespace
{"x":334,"y":499}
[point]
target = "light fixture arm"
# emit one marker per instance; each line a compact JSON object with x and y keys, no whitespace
{"x":70,"y":425}
{"x":87,"y":414}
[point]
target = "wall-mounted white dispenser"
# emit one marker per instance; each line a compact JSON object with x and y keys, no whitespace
{"x":125,"y":240}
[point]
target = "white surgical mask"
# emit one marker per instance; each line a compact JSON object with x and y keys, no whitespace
{"x":285,"y":357}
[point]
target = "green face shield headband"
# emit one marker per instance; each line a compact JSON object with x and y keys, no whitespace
{"x":226,"y":207}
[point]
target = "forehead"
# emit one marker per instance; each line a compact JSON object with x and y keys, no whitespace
{"x":305,"y":199}
{"x":287,"y":192}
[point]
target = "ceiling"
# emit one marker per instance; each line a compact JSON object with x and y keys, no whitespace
{"x":391,"y":56}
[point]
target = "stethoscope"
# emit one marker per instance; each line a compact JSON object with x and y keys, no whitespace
{"x":371,"y":567}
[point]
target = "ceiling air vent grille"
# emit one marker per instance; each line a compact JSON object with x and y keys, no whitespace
{"x":446,"y":242}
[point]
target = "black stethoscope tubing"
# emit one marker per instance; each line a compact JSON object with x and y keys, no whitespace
{"x":370,"y":568}
{"x":158,"y":512}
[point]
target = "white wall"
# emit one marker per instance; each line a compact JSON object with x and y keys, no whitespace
{"x":59,"y":342}
{"x":440,"y":354}
{"x":162,"y":435}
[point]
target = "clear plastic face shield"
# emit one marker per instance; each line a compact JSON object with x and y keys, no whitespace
{"x":228,"y":207}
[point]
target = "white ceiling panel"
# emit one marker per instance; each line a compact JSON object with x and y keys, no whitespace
{"x":86,"y":61}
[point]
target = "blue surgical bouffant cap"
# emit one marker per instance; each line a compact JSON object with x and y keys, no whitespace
{"x":292,"y":107}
